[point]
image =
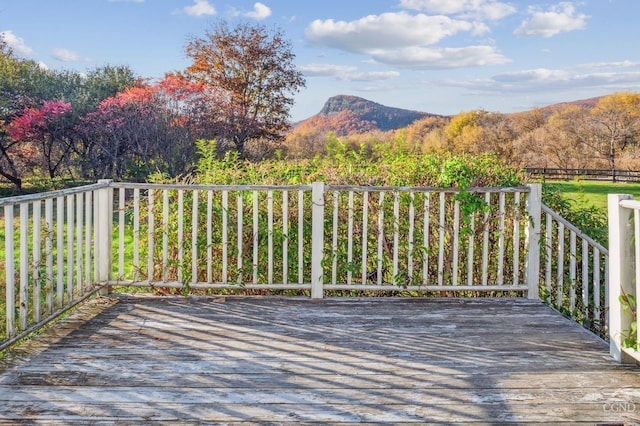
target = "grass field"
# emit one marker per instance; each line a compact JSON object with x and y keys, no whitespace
{"x":594,"y":192}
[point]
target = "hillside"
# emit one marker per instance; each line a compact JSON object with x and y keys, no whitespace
{"x":344,"y":114}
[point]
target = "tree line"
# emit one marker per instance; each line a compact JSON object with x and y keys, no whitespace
{"x":112,"y":123}
{"x":603,"y":134}
{"x":235,"y":97}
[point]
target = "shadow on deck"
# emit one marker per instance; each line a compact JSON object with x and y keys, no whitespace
{"x":220,"y":360}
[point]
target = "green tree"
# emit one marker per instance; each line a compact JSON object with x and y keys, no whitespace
{"x":251,"y":71}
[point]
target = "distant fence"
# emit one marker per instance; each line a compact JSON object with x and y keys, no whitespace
{"x":587,"y":174}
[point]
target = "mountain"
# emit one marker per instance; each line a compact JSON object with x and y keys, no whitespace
{"x":582,"y":103}
{"x":344,"y":114}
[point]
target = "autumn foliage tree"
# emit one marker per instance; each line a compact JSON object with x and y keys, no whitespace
{"x":146,"y":129}
{"x":44,"y":133}
{"x":251,"y":70}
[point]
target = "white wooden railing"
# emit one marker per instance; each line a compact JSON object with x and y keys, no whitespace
{"x":574,"y":272}
{"x":317,"y":238}
{"x":56,"y":253}
{"x":624,"y":274}
{"x":320,"y":238}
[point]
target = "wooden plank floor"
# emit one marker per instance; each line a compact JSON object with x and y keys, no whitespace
{"x":151,"y":359}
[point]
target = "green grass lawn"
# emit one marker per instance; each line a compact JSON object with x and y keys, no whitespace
{"x":595,"y":192}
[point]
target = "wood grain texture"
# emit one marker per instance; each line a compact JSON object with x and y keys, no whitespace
{"x":144,"y":359}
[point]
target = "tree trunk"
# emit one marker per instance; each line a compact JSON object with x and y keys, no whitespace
{"x":612,"y":160}
{"x":16,"y":181}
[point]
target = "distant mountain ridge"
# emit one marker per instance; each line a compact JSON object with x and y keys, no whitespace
{"x":344,"y":114}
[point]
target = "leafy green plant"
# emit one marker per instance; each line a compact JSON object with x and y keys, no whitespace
{"x":629,"y":306}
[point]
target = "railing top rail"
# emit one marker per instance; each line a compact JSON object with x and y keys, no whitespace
{"x":178,"y":186}
{"x":51,"y":194}
{"x":423,"y":189}
{"x":630,"y":204}
{"x":573,"y":228}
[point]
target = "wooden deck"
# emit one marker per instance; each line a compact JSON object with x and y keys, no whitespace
{"x":275,"y":360}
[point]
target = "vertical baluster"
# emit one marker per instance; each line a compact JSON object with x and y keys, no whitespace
{"x":88,"y":232}
{"x":380,"y":237}
{"x":150,"y":237}
{"x":270,"y":237}
{"x":365,"y":234}
{"x":606,"y":295}
{"x":239,"y":265}
{"x":37,"y":256}
{"x":334,"y":240}
{"x":209,"y":237}
{"x":585,"y":278}
{"x":596,"y":284}
{"x":350,"y":238}
{"x":70,"y":243}
{"x":121,"y":226}
{"x":225,"y":241}
{"x":485,"y":241}
{"x":9,"y":267}
{"x":59,"y":251}
{"x":79,"y":242}
{"x":256,"y":230}
{"x":194,"y":237}
{"x":300,"y":237}
{"x":636,"y":235}
{"x":470,"y":249}
{"x":516,"y":239}
{"x":560,"y":267}
{"x":456,"y":236}
{"x":180,"y":235}
{"x":425,"y":239}
{"x":572,"y":271}
{"x":165,"y":235}
{"x":410,"y":238}
{"x":285,"y":237}
{"x":136,"y":235}
{"x":396,"y":235}
{"x":501,"y":201}
{"x":441,"y":225}
{"x":48,"y":246}
{"x":549,"y":253}
{"x":24,"y":266}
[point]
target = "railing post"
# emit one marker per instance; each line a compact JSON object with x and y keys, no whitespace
{"x":104,"y":235}
{"x":317,"y":240}
{"x":621,"y":272}
{"x":532,"y":266}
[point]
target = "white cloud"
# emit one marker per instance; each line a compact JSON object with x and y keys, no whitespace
{"x":16,"y":43}
{"x":620,"y":64}
{"x":346,"y":72}
{"x":557,"y":19}
{"x":259,"y":12}
{"x":441,"y":58}
{"x":551,"y":80}
{"x":65,"y":55}
{"x":477,"y":9}
{"x":385,"y":31}
{"x":200,"y":8}
{"x":404,"y":40}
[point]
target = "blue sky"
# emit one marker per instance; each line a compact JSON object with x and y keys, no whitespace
{"x":438,"y":56}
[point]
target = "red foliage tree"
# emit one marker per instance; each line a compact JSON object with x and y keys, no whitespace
{"x":42,"y":135}
{"x":147,"y":128}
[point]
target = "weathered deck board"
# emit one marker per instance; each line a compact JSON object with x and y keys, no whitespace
{"x":153,"y":359}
